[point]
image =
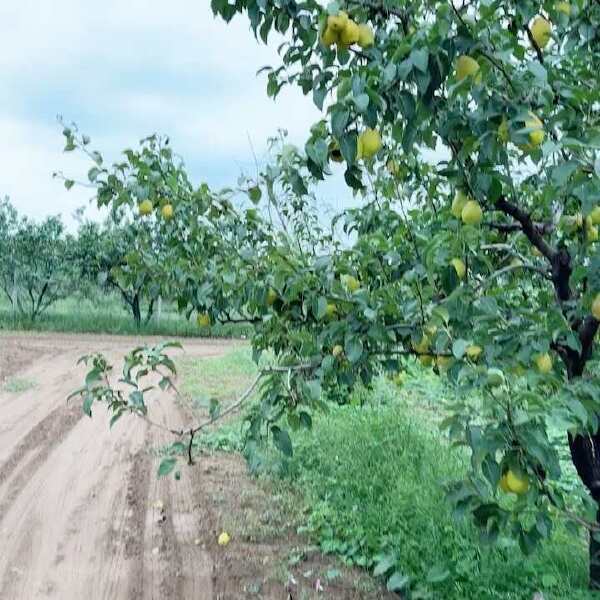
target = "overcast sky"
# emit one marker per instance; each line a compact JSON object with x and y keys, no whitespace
{"x":123,"y":70}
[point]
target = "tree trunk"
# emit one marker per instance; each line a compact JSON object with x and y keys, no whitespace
{"x":595,"y":557}
{"x":135,"y":307}
{"x":585,"y":453}
{"x":150,"y":311}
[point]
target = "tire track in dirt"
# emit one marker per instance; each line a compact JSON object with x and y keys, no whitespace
{"x":30,"y":454}
{"x":76,"y":498}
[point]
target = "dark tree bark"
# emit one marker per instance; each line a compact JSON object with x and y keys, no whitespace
{"x":585,"y":449}
{"x":135,"y":307}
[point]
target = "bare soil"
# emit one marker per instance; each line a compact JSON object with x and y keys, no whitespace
{"x":83,"y":515}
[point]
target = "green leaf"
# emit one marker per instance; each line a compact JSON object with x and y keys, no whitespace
{"x":397,"y":582}
{"x":88,"y":400}
{"x":282,"y":441}
{"x":255,"y":194}
{"x":348,"y":147}
{"x":339,"y":120}
{"x":166,"y":466}
{"x":437,"y":574}
{"x":353,"y":349}
{"x":384,"y":564}
{"x":419,"y":59}
{"x":362,"y":102}
{"x":459,"y":347}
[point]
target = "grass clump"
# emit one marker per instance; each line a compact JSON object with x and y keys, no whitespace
{"x":108,"y":314}
{"x":16,"y":385}
{"x":373,"y":478}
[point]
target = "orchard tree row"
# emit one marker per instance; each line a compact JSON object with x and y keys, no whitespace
{"x":41,"y":263}
{"x":471,"y":131}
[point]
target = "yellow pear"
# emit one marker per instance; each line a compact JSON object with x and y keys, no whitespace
{"x":504,"y":485}
{"x":474,"y":351}
{"x":351,"y":283}
{"x":541,"y":31}
{"x":517,"y":483}
{"x":203,"y":320}
{"x":271,"y":296}
{"x":595,"y":214}
{"x":536,"y":136}
{"x":329,"y":37}
{"x":471,"y":213}
{"x":337,"y":351}
{"x":596,"y":307}
{"x":167,"y":212}
{"x":544,"y":363}
{"x":224,"y":539}
{"x":337,"y":23}
{"x":467,"y":67}
{"x":516,"y":263}
{"x":145,"y":208}
{"x":350,"y":34}
{"x":460,"y":199}
{"x":563,"y":7}
{"x":459,"y":267}
{"x":591,"y":233}
{"x":423,"y":346}
{"x":330,"y":310}
{"x":369,"y":143}
{"x":365,"y":36}
{"x":443,"y":362}
{"x":426,"y":360}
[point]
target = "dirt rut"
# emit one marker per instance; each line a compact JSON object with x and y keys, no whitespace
{"x":82,"y":514}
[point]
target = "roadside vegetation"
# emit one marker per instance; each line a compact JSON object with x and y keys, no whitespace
{"x":368,"y":482}
{"x":107,"y":314}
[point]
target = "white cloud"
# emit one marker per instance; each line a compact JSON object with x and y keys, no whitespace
{"x":123,"y":70}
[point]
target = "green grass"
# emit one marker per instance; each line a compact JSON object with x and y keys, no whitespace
{"x":16,"y":385}
{"x":371,"y":482}
{"x":108,"y":314}
{"x":373,"y":479}
{"x":221,"y":377}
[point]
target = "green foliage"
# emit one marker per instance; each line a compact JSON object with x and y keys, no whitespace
{"x":519,"y":137}
{"x":137,"y":365}
{"x":374,"y":476}
{"x":36,"y":266}
{"x":96,"y":312}
{"x":17,"y":385}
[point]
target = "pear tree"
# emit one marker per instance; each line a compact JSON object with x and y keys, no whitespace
{"x":471,"y":131}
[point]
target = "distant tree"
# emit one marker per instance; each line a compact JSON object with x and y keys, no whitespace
{"x":36,"y":269}
{"x":100,"y":255}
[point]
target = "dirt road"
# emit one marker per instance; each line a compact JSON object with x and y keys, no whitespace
{"x":84,"y":517}
{"x":77,"y":514}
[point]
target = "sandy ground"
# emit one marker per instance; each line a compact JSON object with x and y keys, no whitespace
{"x":78,"y":502}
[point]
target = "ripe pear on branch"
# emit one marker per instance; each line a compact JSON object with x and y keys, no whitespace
{"x":145,"y":208}
{"x":541,"y":31}
{"x":467,"y":67}
{"x":458,"y":203}
{"x":471,"y":213}
{"x":368,"y":143}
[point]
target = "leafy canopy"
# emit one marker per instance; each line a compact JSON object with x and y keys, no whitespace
{"x":473,"y":137}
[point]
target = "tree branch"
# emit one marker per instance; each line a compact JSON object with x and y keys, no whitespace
{"x":538,"y":50}
{"x":527,"y":225}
